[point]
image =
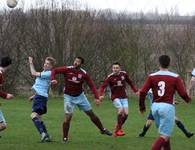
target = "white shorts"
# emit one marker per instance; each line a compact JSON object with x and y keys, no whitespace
{"x":120,"y":103}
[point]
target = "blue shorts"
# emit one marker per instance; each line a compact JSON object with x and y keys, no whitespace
{"x":120,"y":103}
{"x":39,"y":104}
{"x":2,"y":119}
{"x":150,"y":116}
{"x":164,"y":117}
{"x":80,"y":101}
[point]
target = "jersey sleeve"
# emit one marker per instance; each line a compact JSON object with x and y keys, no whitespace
{"x":2,"y":93}
{"x":59,"y":70}
{"x":181,"y":90}
{"x":45,"y":75}
{"x":143,"y":92}
{"x":103,"y":86}
{"x":91,"y":85}
{"x":134,"y":89}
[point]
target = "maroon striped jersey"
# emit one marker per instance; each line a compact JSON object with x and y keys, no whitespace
{"x":74,"y":79}
{"x":117,"y":84}
{"x":2,"y":93}
{"x":164,"y":84}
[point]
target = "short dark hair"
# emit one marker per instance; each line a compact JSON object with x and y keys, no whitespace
{"x":6,"y":61}
{"x":116,"y":63}
{"x":82,"y":59}
{"x":164,"y":61}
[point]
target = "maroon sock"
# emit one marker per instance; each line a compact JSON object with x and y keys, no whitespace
{"x":120,"y":119}
{"x":167,"y":145}
{"x":97,"y":122}
{"x":66,"y":127}
{"x":125,"y":116}
{"x":158,"y":144}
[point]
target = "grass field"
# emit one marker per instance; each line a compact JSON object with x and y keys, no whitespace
{"x":22,"y":135}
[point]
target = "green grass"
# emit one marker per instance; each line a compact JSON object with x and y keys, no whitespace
{"x":22,"y":135}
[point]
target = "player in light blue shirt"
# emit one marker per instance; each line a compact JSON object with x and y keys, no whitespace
{"x":41,"y":88}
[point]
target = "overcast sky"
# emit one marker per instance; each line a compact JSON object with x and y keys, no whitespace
{"x":184,"y":7}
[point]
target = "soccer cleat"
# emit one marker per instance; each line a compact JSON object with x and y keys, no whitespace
{"x":119,"y":133}
{"x":48,"y":138}
{"x":64,"y":140}
{"x":189,"y":134}
{"x":44,"y":137}
{"x":106,"y":132}
{"x":141,"y":134}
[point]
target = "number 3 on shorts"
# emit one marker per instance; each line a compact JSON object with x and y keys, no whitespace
{"x":161,"y":85}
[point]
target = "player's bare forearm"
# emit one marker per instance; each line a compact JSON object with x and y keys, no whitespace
{"x":32,"y":68}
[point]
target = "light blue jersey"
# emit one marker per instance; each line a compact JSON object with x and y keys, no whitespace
{"x":150,"y":96}
{"x":42,"y":83}
{"x":193,"y":72}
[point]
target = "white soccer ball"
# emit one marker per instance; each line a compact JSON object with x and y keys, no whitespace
{"x":12,"y":3}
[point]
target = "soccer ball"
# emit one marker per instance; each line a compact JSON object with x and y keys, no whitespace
{"x":12,"y":3}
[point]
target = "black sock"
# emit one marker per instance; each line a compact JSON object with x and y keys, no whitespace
{"x":145,"y":129}
{"x":181,"y":127}
{"x":38,"y":124}
{"x":44,"y":127}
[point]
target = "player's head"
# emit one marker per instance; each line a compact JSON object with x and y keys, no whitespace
{"x":116,"y":67}
{"x":49,"y":63}
{"x":6,"y":62}
{"x":164,"y":61}
{"x":78,"y":62}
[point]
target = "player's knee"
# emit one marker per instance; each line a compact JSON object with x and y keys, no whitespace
{"x":121,"y":111}
{"x":33,"y":115}
{"x":149,"y":122}
{"x":3,"y":126}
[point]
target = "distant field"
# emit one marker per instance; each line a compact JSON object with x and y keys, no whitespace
{"x":22,"y":135}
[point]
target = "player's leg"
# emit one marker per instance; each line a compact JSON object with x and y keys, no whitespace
{"x":120,"y":113}
{"x":39,"y":108}
{"x":85,"y":106}
{"x":149,"y":122}
{"x":95,"y":119}
{"x":68,"y":110}
{"x":181,"y":126}
{"x":66,"y":126}
{"x":164,"y":118}
{"x":125,"y":110}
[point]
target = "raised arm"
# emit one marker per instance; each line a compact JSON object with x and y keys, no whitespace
{"x":58,"y":70}
{"x":32,"y":68}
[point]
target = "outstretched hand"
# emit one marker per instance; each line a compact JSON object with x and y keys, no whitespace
{"x":30,"y":98}
{"x":97,"y":102}
{"x":30,"y":60}
{"x":9,"y":96}
{"x":54,"y":82}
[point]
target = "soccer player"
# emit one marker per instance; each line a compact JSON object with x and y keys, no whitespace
{"x":75,"y":76}
{"x":164,"y":84}
{"x":40,"y":88}
{"x":150,"y":120}
{"x":5,"y":63}
{"x":117,"y":83}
